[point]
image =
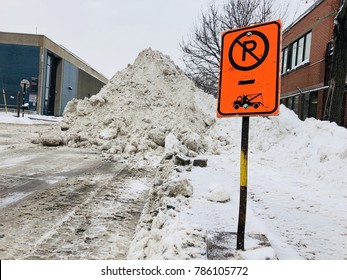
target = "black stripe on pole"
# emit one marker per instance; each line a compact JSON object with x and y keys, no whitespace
{"x":243,"y":185}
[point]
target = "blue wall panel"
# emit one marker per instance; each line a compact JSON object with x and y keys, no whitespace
{"x":70,"y":81}
{"x":18,"y":62}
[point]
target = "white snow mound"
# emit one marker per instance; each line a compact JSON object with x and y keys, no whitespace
{"x":137,"y":109}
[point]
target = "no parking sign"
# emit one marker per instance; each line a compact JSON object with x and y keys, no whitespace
{"x":249,"y":83}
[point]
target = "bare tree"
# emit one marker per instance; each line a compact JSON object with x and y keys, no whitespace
{"x":201,"y":52}
{"x":336,"y":92}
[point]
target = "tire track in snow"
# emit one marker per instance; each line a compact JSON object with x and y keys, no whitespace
{"x":92,"y":216}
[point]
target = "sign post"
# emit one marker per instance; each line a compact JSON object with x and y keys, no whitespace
{"x":249,"y":85}
{"x":243,"y":184}
{"x":24,"y":84}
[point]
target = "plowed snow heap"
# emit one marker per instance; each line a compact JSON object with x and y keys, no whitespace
{"x":146,"y":104}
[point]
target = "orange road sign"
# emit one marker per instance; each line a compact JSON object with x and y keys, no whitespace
{"x":249,"y":82}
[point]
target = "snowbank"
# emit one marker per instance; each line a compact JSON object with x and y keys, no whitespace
{"x":137,"y":109}
{"x":297,"y":194}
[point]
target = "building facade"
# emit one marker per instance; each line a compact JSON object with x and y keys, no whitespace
{"x":306,"y":60}
{"x":55,"y":75}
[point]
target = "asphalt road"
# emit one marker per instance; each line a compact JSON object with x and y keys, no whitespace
{"x":64,"y":203}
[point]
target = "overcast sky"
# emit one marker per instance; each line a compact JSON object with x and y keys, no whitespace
{"x":109,"y":34}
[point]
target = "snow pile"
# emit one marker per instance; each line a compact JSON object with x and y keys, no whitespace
{"x":311,"y":146}
{"x":137,"y":109}
{"x":162,"y":233}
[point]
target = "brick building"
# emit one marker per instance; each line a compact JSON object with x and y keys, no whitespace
{"x":306,"y":60}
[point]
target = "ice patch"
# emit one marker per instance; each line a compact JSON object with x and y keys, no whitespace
{"x":12,"y":198}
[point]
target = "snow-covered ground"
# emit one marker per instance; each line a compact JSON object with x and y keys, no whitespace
{"x":28,"y":118}
{"x":297,"y":185}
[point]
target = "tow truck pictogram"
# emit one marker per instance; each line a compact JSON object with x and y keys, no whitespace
{"x":247,"y":100}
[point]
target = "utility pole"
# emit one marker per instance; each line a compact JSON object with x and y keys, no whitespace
{"x":336,"y":90}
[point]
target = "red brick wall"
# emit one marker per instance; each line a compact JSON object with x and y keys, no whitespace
{"x":320,"y":21}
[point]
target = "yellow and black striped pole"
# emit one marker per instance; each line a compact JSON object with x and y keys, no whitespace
{"x":4,"y":95}
{"x":240,"y":242}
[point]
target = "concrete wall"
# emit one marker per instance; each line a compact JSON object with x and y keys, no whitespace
{"x":69,"y":85}
{"x":87,"y":86}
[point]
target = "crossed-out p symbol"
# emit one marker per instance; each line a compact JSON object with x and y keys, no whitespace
{"x":248,"y":50}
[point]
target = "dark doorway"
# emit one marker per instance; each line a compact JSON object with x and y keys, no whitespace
{"x":50,"y":86}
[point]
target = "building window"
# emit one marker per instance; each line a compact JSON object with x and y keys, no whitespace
{"x":312,"y":109}
{"x":294,"y":54}
{"x":296,"y":104}
{"x":290,"y":103}
{"x":305,"y":106}
{"x":307,"y":47}
{"x":284,"y":60}
{"x":300,"y":54}
{"x":297,"y":53}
